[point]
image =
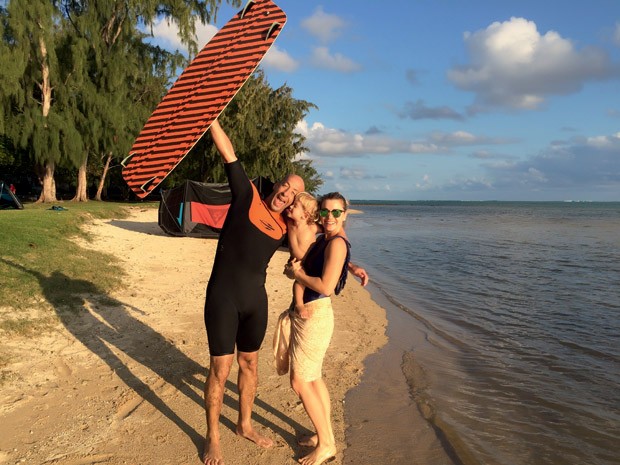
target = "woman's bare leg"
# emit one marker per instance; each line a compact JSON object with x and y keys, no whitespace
{"x":313,"y":395}
{"x":312,"y":440}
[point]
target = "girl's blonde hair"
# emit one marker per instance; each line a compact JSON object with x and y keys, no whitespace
{"x":310,"y":206}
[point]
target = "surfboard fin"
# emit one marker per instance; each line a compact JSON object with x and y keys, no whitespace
{"x":147,"y":184}
{"x":246,"y":8}
{"x":272,"y":29}
{"x":126,"y":160}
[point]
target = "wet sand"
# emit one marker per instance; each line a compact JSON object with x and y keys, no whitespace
{"x":385,"y":417}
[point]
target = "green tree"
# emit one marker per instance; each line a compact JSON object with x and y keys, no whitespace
{"x":12,"y":67}
{"x":29,"y":46}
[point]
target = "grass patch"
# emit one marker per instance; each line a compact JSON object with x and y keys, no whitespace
{"x":41,"y":262}
{"x":7,"y":375}
{"x":26,"y":326}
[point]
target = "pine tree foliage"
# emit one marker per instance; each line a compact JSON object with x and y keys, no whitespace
{"x":29,"y":45}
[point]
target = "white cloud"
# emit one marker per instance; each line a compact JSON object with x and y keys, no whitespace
{"x":463,"y":184}
{"x":536,"y":175}
{"x":353,"y":173}
{"x":204,"y":33}
{"x":463,"y":138}
{"x":425,"y":184}
{"x":302,"y":128}
{"x":279,"y":60}
{"x":322,"y":58}
{"x":167,"y":33}
{"x":584,"y":168}
{"x":617,"y":34}
{"x":482,"y":155}
{"x":419,"y":110}
{"x":573,"y":167}
{"x":324,"y":26}
{"x":580,"y":164}
{"x":329,"y":142}
{"x":604,"y":142}
{"x":456,"y":138}
{"x":512,"y":65}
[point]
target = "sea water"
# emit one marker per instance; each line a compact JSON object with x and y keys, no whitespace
{"x":520,"y":306}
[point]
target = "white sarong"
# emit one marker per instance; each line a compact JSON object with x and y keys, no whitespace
{"x":310,"y":339}
{"x":281,"y":338}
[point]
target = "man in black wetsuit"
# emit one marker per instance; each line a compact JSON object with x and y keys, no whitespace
{"x":236,"y":301}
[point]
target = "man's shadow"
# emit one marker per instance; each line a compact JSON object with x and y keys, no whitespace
{"x":101,"y":322}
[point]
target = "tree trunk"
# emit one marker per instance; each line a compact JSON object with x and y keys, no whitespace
{"x":46,"y":85}
{"x":46,"y":177}
{"x":106,"y":167}
{"x":48,"y":194}
{"x":81,"y":194}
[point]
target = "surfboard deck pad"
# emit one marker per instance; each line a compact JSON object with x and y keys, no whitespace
{"x":200,"y":94}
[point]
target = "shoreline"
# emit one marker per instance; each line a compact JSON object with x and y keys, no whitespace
{"x":389,"y":394}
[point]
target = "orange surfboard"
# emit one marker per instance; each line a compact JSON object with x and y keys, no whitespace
{"x":200,"y":94}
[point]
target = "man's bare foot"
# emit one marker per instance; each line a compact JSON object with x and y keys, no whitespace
{"x":308,"y":441}
{"x":319,"y":455}
{"x":252,"y":435}
{"x":212,"y":454}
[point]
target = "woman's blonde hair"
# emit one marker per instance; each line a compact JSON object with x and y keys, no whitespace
{"x":309,"y":204}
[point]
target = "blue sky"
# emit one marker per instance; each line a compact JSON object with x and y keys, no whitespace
{"x":453,"y":99}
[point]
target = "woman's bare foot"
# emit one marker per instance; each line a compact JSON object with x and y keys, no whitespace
{"x":319,"y":455}
{"x":212,"y":454}
{"x":252,"y":435}
{"x":308,"y":441}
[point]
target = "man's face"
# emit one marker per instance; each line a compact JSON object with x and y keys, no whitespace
{"x":284,"y":193}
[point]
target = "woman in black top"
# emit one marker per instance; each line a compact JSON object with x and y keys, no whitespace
{"x":323,"y":272}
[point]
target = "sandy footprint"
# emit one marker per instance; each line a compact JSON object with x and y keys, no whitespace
{"x":62,"y":368}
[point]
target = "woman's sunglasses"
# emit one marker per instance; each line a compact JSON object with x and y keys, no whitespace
{"x":323,"y":212}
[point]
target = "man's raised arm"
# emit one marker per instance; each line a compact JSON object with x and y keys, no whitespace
{"x":222,"y":142}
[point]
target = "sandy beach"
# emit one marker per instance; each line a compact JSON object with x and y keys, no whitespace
{"x":120,"y":381}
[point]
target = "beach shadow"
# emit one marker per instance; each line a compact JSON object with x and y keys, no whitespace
{"x":151,"y":228}
{"x":102,"y":323}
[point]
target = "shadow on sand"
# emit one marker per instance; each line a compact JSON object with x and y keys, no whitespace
{"x":151,"y":228}
{"x":102,"y":323}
